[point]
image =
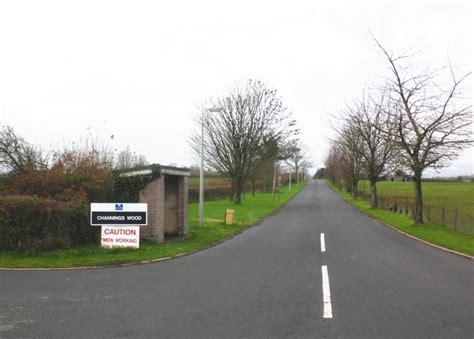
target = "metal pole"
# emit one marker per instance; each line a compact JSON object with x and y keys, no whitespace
{"x":201,"y":178}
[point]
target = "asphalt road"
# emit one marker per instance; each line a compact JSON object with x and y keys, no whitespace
{"x":267,"y":282}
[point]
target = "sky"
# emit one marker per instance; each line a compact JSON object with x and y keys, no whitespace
{"x":139,"y":70}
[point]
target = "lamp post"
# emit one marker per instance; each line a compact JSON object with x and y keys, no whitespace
{"x":201,"y":170}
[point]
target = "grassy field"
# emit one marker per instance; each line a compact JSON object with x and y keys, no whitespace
{"x":434,"y":233}
{"x":437,"y":194}
{"x":251,"y":211}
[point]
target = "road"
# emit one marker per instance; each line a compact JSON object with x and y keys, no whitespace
{"x":266,"y":282}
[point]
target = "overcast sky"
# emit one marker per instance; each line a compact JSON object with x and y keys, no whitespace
{"x":139,"y":69}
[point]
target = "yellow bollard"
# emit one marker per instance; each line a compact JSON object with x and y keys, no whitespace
{"x":229,"y":217}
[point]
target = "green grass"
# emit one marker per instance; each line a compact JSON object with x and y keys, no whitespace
{"x":434,"y":233}
{"x":251,"y":211}
{"x":457,"y":198}
{"x":436,"y":194}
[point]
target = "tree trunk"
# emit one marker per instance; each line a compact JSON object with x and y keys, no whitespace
{"x":254,"y":186}
{"x":374,"y":201}
{"x":418,"y":212}
{"x":238,"y":191}
{"x":232,"y":191}
{"x":355,"y":190}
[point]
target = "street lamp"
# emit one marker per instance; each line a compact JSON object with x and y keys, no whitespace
{"x":201,"y":170}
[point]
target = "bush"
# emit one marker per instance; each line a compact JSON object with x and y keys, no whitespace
{"x":36,"y":224}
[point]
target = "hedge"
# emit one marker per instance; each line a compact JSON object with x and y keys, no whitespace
{"x":34,"y":224}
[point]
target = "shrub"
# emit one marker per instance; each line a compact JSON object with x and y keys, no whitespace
{"x":35,"y":224}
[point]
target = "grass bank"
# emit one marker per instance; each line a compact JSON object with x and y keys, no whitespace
{"x":434,"y":233}
{"x":251,"y":211}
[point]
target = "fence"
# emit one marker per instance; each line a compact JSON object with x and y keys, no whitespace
{"x":454,"y":218}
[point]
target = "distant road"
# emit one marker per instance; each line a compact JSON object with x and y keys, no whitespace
{"x":271,"y":281}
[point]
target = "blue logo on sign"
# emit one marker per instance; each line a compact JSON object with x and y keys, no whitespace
{"x":119,"y":207}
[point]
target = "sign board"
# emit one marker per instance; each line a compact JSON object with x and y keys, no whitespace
{"x":118,"y":214}
{"x":120,"y":236}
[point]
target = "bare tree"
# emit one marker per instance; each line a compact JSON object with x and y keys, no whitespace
{"x":128,"y":159}
{"x":296,"y":156}
{"x":18,"y":155}
{"x":368,"y":119}
{"x":305,"y":165}
{"x":233,"y":137}
{"x":332,"y":163}
{"x":264,"y":162}
{"x":350,"y":150}
{"x":432,"y":123}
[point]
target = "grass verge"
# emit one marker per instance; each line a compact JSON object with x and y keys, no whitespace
{"x":252,"y":210}
{"x":434,"y":233}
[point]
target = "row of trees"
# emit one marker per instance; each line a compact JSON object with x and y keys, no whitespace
{"x":246,"y":133}
{"x":411,"y":122}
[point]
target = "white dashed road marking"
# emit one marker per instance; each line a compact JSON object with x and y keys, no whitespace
{"x":327,"y":313}
{"x":323,"y":243}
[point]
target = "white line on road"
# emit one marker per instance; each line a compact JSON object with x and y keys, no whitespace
{"x":323,"y":243}
{"x":327,"y":313}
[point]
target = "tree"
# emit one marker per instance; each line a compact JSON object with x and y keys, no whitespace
{"x":332,"y":163}
{"x":367,"y":118}
{"x":433,"y":123}
{"x":297,"y":155}
{"x":235,"y":135}
{"x":320,"y":173}
{"x":128,"y":159}
{"x":18,"y":155}
{"x":264,"y":162}
{"x":349,"y":157}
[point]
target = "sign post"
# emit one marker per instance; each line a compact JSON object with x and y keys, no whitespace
{"x":120,"y":223}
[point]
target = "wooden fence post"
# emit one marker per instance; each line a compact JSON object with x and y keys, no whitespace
{"x":406,"y":205}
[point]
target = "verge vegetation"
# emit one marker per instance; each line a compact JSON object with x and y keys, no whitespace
{"x":252,"y":210}
{"x":434,"y":233}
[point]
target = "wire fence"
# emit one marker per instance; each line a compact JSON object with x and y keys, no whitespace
{"x":453,"y":218}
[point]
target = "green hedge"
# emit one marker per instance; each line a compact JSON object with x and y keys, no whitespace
{"x":34,"y":224}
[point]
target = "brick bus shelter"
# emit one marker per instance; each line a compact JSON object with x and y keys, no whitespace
{"x":167,"y":199}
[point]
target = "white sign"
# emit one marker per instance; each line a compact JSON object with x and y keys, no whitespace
{"x":120,"y":236}
{"x":133,"y":214}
